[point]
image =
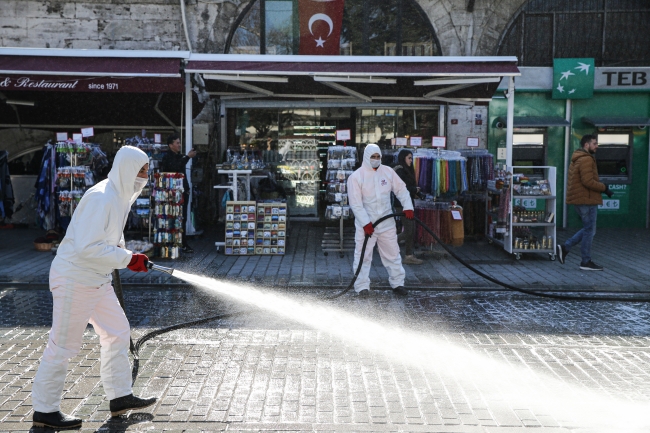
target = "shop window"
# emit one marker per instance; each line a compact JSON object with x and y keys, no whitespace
{"x":371,"y":28}
{"x":379,"y":126}
{"x":614,"y":158}
{"x":529,"y":150}
{"x":607,"y":30}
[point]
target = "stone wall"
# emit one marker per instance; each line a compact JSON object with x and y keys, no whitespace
{"x":157,"y":24}
{"x":117,"y":24}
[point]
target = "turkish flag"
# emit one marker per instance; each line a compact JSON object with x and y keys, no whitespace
{"x":320,"y":26}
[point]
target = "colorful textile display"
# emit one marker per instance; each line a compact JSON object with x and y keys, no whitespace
{"x":437,"y":217}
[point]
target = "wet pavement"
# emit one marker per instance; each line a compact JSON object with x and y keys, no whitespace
{"x":436,"y":361}
{"x":620,"y":251}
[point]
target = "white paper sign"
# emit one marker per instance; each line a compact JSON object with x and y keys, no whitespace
{"x":456,"y":215}
{"x":416,"y":141}
{"x":77,"y":138}
{"x":157,"y":139}
{"x":61,"y":136}
{"x":438,"y":141}
{"x":343,"y":135}
{"x":400,"y":141}
{"x":472,"y":141}
{"x":87,"y":132}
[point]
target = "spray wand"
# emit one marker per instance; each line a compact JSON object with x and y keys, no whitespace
{"x":151,"y":265}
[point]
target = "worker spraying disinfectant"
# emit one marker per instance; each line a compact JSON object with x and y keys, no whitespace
{"x":80,"y":282}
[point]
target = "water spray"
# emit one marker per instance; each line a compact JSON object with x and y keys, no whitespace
{"x":154,"y":267}
{"x":150,"y":265}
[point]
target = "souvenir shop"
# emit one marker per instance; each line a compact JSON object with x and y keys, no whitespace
{"x":308,"y":118}
{"x":75,"y":109}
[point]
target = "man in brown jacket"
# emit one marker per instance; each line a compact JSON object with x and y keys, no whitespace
{"x":584,"y":192}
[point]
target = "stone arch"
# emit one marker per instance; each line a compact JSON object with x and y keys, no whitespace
{"x":476,"y":33}
{"x":20,"y":141}
{"x":246,"y":6}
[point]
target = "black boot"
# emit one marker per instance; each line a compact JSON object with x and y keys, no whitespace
{"x":129,"y":402}
{"x":400,"y":291}
{"x":55,"y":420}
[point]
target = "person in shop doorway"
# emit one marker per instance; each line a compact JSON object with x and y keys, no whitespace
{"x":174,"y":162}
{"x":80,"y":282}
{"x":584,"y":192}
{"x":369,"y":195}
{"x":406,"y":172}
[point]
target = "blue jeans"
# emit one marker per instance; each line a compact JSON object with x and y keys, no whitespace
{"x":585,"y":235}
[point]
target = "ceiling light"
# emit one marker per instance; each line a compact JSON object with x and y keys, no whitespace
{"x":256,"y":78}
{"x":14,"y":102}
{"x":372,"y":80}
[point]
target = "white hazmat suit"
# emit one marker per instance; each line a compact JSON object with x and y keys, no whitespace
{"x":369,"y":197}
{"x":80,"y":282}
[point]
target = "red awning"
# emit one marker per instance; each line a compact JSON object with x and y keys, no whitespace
{"x":90,"y":66}
{"x":344,"y":65}
{"x":90,"y":70}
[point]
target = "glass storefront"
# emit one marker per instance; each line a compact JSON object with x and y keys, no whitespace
{"x":380,"y":126}
{"x":291,"y":144}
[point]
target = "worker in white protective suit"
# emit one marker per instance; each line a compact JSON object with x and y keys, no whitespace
{"x":80,"y":282}
{"x":369,"y":189}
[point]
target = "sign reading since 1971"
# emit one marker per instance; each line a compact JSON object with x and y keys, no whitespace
{"x":91,"y":84}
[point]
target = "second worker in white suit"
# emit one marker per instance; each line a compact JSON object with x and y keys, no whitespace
{"x":369,"y":189}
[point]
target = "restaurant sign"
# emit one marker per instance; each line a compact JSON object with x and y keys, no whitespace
{"x":92,"y":84}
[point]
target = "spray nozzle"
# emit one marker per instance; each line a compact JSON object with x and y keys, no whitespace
{"x":151,"y":265}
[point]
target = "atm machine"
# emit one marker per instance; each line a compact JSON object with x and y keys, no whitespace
{"x":614,"y":158}
{"x":529,"y":149}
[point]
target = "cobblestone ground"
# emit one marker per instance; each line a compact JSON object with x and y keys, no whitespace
{"x":489,"y":362}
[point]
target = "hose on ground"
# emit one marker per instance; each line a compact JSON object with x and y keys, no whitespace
{"x":136,"y":348}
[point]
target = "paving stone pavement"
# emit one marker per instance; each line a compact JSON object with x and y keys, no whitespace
{"x":620,"y":251}
{"x":437,"y":361}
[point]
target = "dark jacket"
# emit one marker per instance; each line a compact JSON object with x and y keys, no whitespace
{"x":176,"y":163}
{"x":407,"y":174}
{"x":6,"y":190}
{"x":583,"y":185}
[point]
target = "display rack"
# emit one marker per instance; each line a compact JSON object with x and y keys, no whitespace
{"x":340,"y":165}
{"x":521,"y":218}
{"x":168,"y":213}
{"x":255,"y":228}
{"x":271,"y":228}
{"x":73,"y":180}
{"x":140,"y":218}
{"x":240,"y":228}
{"x":301,"y":168}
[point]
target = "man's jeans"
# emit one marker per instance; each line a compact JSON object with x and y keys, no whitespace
{"x":585,"y":236}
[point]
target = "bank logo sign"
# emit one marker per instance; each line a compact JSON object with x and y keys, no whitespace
{"x":573,"y":78}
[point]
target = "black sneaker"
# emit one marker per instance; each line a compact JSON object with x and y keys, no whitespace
{"x":55,"y":420}
{"x":129,"y":402}
{"x":364,"y":293}
{"x":400,"y":291}
{"x":590,"y":266}
{"x":562,"y":252}
{"x":187,"y":250}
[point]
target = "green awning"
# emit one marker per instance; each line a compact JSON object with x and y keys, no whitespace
{"x":600,"y":122}
{"x":536,"y":121}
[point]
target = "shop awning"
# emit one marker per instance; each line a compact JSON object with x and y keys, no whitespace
{"x":461,"y":80}
{"x":600,"y":122}
{"x":91,"y":70}
{"x":536,"y":121}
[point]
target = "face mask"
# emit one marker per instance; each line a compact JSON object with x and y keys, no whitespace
{"x":375,"y":163}
{"x":139,"y":184}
